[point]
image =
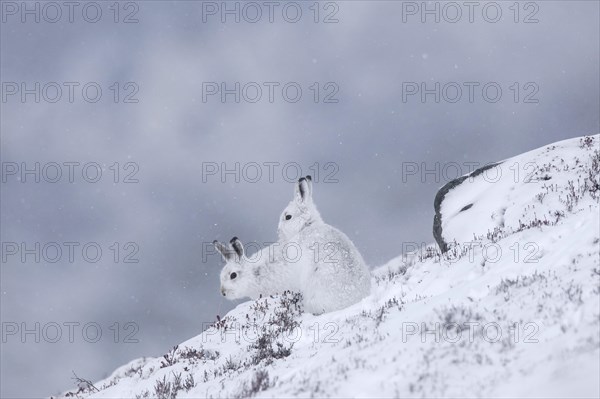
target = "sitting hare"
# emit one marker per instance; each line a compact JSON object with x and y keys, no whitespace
{"x":250,"y":277}
{"x":327,"y":268}
{"x":332,"y":272}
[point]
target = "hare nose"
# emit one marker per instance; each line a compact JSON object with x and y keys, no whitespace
{"x":223,"y":292}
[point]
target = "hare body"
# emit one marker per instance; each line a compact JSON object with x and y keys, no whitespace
{"x":333,"y":274}
{"x":326,"y":268}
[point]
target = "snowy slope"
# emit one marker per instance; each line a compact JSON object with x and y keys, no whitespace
{"x":508,"y":195}
{"x":511,"y":309}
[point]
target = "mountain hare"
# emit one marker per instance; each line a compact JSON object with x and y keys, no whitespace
{"x":249,"y":277}
{"x":332,"y":273}
{"x":326,"y":267}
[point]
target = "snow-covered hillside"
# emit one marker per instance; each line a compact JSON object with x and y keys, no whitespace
{"x":511,"y":309}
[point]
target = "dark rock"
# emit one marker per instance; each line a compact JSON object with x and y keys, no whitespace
{"x":439,"y":198}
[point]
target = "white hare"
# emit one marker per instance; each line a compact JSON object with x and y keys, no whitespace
{"x":332,"y":272}
{"x":311,"y":257}
{"x":250,"y":277}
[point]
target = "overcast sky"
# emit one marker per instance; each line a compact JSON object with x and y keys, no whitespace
{"x":162,"y":133}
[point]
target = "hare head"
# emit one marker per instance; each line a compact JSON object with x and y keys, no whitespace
{"x":234,"y":284}
{"x":300,"y":212}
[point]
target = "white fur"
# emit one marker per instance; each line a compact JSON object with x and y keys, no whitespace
{"x":310,"y":257}
{"x":333,"y":273}
{"x":260,"y":274}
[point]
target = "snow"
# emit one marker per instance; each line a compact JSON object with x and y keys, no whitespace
{"x":507,"y":194}
{"x":511,"y":310}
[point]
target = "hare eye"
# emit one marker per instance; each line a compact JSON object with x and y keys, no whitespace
{"x":288,"y":217}
{"x":233,"y":275}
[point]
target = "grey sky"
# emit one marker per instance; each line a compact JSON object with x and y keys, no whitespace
{"x":369,"y":136}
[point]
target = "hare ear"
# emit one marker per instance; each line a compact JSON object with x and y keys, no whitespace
{"x":310,"y":186}
{"x":237,"y":246}
{"x":297,"y":191}
{"x":304,"y":188}
{"x":223,"y":250}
